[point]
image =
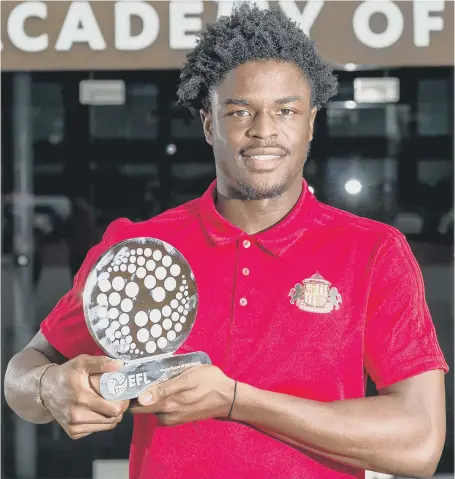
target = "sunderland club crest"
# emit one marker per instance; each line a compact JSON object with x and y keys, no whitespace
{"x":315,"y":295}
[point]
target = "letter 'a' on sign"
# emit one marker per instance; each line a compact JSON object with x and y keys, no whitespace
{"x":376,"y":90}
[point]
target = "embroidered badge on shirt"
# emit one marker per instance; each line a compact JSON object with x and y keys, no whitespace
{"x":315,"y":295}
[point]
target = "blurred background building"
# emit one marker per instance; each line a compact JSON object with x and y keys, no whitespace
{"x":90,"y":132}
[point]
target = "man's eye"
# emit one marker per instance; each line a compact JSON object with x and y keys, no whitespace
{"x":240,"y":113}
{"x":286,"y":112}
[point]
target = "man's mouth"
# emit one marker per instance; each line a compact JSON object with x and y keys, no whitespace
{"x":263,"y":154}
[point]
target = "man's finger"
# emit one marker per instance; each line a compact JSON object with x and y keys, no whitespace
{"x":163,"y":390}
{"x":106,"y":408}
{"x":100,"y":364}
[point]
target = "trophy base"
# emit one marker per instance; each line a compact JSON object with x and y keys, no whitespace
{"x":134,"y":378}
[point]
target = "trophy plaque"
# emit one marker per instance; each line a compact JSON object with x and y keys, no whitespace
{"x":140,"y":303}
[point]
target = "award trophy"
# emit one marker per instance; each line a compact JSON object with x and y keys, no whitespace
{"x":140,"y":302}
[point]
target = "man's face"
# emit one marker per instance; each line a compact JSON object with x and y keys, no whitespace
{"x":260,"y":126}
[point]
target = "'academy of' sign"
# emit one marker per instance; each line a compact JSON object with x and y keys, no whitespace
{"x":137,"y":34}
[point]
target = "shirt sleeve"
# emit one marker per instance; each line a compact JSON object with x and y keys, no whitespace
{"x":400,"y":338}
{"x":65,"y":326}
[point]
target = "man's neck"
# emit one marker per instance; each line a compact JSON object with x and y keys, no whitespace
{"x":253,"y":216}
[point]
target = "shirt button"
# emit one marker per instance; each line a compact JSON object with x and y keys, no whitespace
{"x":246,"y":244}
{"x":243,"y":302}
{"x":245,"y":271}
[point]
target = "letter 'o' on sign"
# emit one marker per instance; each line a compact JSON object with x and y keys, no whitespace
{"x":362,"y":28}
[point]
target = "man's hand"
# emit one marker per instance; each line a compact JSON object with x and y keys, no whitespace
{"x":199,"y":393}
{"x":72,"y":396}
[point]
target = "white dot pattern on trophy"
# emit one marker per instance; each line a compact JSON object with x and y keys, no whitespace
{"x":118,"y":283}
{"x":118,"y":334}
{"x":125,"y":259}
{"x":126,"y":305}
{"x":185,"y":313}
{"x":133,"y":346}
{"x":133,"y":251}
{"x":160,"y":273}
{"x":143,"y":335}
{"x":150,"y":347}
{"x":182,"y":319}
{"x":147,"y":252}
{"x":150,"y":282}
{"x":114,"y":326}
{"x":157,"y":255}
{"x":150,"y":265}
{"x":159,"y":294}
{"x":156,"y":330}
{"x":141,"y":318}
{"x":139,"y":251}
{"x":123,"y":267}
{"x":155,"y":315}
{"x":141,"y":261}
{"x":125,"y":330}
{"x":180,"y":309}
{"x":122,"y":341}
{"x":141,"y":272}
{"x":103,"y":323}
{"x":167,"y":261}
{"x":171,"y":335}
{"x":183,"y":301}
{"x":104,"y":285}
{"x":174,"y":304}
{"x":116,"y":342}
{"x":132,"y":289}
{"x":124,"y":318}
{"x":166,"y":311}
{"x":179,"y":295}
{"x":136,"y":351}
{"x":128,"y":339}
{"x":175,"y":270}
{"x":113,"y":313}
{"x":175,"y":316}
{"x":170,"y":284}
{"x":109,"y":269}
{"x":184,"y":281}
{"x":115,"y":268}
{"x":178,"y":327}
{"x":185,"y":293}
{"x":132,"y":259}
{"x":127,"y":253}
{"x":131,"y":268}
{"x":101,"y":299}
{"x":114,"y":299}
{"x":182,"y":288}
{"x":167,"y":324}
{"x":162,"y":343}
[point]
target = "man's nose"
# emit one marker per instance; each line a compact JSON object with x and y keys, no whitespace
{"x":263,"y":127}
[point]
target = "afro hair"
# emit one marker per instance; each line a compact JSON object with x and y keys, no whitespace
{"x":250,"y":34}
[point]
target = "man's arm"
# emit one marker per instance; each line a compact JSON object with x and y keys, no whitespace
{"x":70,"y":390}
{"x":22,"y":376}
{"x":400,"y":432}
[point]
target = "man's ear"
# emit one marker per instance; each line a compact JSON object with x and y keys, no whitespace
{"x":313,"y":112}
{"x":206,"y":118}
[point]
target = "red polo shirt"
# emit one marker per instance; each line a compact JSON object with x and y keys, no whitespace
{"x":306,"y":308}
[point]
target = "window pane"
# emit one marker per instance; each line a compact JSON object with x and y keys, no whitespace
{"x":433,"y":107}
{"x":137,"y":119}
{"x":343,"y":122}
{"x":184,"y":126}
{"x":48,"y":118}
{"x":375,"y":178}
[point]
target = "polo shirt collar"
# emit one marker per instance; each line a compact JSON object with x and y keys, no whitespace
{"x":276,"y":240}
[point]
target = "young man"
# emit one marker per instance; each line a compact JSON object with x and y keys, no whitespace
{"x":298,"y":301}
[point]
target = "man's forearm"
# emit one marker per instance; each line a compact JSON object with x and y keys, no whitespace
{"x":377,"y":433}
{"x":21,"y":385}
